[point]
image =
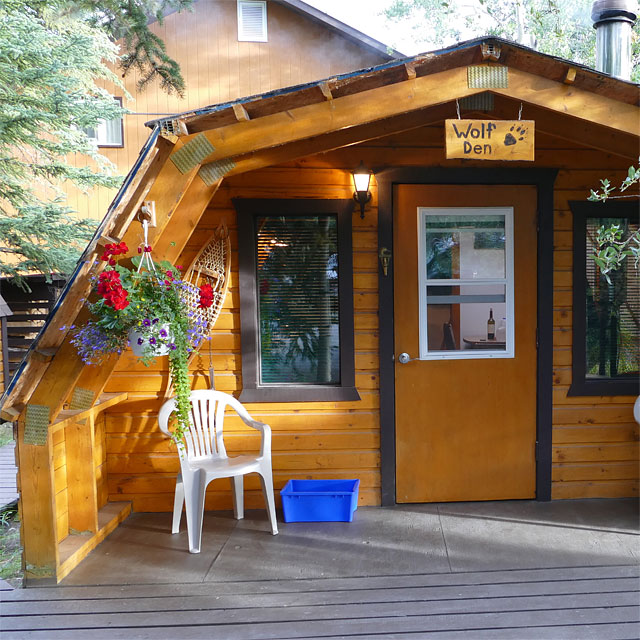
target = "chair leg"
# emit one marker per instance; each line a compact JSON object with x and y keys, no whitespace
{"x":237,"y":488}
{"x":178,"y":503}
{"x":194,"y":493}
{"x":266,"y":479}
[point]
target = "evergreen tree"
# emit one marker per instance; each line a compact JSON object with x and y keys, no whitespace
{"x":128,"y":21}
{"x":52,"y":56}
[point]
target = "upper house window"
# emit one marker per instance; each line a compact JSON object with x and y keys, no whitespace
{"x":606,"y":313}
{"x":252,"y":21}
{"x":108,"y":133}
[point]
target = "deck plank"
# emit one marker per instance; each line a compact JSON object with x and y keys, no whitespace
{"x":475,"y":578}
{"x":333,"y":597}
{"x":579,"y":602}
{"x":470,"y":624}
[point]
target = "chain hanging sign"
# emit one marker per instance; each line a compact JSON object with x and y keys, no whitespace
{"x":490,"y":139}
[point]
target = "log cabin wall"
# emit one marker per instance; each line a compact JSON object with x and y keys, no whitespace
{"x":594,"y":439}
{"x":217,"y":68}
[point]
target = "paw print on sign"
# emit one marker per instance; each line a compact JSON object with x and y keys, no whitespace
{"x":514,"y":135}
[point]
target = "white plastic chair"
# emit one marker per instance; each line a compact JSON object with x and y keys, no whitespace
{"x":203,"y":458}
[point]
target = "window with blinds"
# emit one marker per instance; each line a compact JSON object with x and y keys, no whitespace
{"x":606,"y":315}
{"x":297,"y":277}
{"x":296,"y":300}
{"x":252,"y":21}
{"x":612,"y":310}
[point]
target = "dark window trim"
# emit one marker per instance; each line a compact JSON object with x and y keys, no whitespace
{"x":580,"y":386}
{"x":248,"y":209}
{"x":544,"y":180}
{"x":116,"y":146}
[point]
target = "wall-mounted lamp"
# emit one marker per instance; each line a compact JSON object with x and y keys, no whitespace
{"x":361,"y":179}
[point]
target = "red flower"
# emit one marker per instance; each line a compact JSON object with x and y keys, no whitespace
{"x":206,"y":296}
{"x":113,"y":250}
{"x":111,"y":290}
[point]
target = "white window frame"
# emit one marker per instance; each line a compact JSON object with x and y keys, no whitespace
{"x":508,"y":282}
{"x":101,"y":126}
{"x":241,"y":35}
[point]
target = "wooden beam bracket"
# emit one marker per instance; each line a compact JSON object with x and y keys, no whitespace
{"x":570,"y":78}
{"x":326,"y":90}
{"x":241,"y":113}
{"x":410,"y":68}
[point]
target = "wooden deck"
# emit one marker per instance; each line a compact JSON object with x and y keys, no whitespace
{"x":578,"y":602}
{"x":521,"y":570}
{"x":8,"y":490}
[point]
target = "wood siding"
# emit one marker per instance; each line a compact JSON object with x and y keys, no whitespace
{"x":594,"y":439}
{"x":217,"y":68}
{"x":310,"y":439}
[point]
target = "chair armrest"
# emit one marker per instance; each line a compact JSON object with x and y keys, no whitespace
{"x":265,"y":430}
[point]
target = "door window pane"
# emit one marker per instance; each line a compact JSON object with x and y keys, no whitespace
{"x":297,"y":278}
{"x":466,"y":283}
{"x":462,"y":247}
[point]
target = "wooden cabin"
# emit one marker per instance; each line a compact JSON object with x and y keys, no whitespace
{"x":413,"y":397}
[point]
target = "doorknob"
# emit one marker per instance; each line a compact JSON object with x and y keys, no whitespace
{"x":404,"y":357}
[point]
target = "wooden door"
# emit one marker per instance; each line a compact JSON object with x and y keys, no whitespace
{"x":465,"y":426}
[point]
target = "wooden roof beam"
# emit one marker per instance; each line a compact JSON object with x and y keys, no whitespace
{"x":569,"y":100}
{"x":342,"y":113}
{"x":570,"y":129}
{"x":166,"y":187}
{"x":338,"y":139}
{"x":426,"y":91}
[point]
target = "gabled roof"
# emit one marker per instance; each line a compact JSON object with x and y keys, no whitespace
{"x":340,"y":28}
{"x":329,"y":22}
{"x":570,"y":100}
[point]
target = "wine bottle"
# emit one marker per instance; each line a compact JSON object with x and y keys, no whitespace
{"x":491,"y":326}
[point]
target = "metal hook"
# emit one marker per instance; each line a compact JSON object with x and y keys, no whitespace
{"x":458,"y":109}
{"x":520,"y":112}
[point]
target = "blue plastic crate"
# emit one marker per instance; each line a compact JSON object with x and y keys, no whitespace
{"x":320,"y":500}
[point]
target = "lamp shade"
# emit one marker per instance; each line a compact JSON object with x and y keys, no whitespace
{"x":361,"y":178}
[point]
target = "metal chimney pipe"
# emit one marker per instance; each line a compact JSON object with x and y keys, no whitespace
{"x":613,"y":21}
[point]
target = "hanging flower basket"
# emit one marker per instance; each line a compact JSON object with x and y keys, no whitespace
{"x":153,"y":339}
{"x":145,"y":306}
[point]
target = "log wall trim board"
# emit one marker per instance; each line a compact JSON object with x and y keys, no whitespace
{"x":544,"y":180}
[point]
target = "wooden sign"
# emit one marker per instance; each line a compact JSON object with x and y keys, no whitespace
{"x":490,"y":139}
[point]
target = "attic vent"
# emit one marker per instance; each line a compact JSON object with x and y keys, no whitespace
{"x":252,"y":21}
{"x":478,"y":102}
{"x":493,"y":77}
{"x":193,"y":153}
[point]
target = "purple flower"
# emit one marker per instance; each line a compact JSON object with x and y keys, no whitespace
{"x":146,"y":322}
{"x":152,"y":340}
{"x":155,"y":320}
{"x":163,"y":333}
{"x":140,"y":340}
{"x":172,"y":346}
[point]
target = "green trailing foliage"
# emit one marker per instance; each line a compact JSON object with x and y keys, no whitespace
{"x":613,"y":244}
